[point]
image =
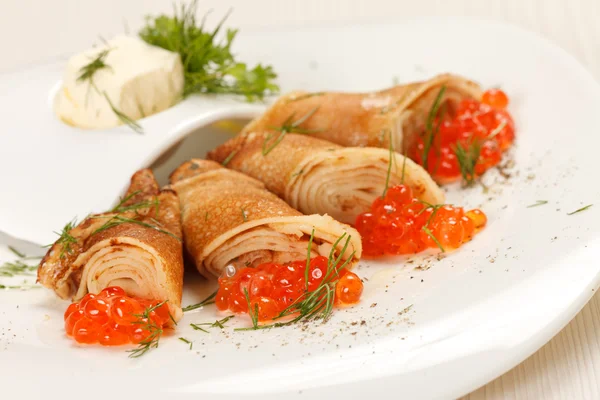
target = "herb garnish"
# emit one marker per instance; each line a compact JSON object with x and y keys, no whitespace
{"x":209,"y":66}
{"x":217,"y":324}
{"x":430,"y":234}
{"x":403,"y":168}
{"x":229,"y":158}
{"x":122,"y":117}
{"x":430,"y":132}
{"x":580,"y":209}
{"x":16,"y":252}
{"x":538,"y":203}
{"x":205,"y":302}
{"x":315,"y":304}
{"x":305,"y":96}
{"x":309,"y":248}
{"x":18,"y":268}
{"x":389,"y":170}
{"x":467,"y":160}
{"x":116,"y":220}
{"x":121,"y":208}
{"x":15,"y":268}
{"x":184,"y":340}
{"x":86,"y":73}
{"x":244,"y":216}
{"x":288,"y":126}
{"x":65,"y":238}
{"x":425,"y":228}
{"x":154,"y":332}
{"x":252,"y":312}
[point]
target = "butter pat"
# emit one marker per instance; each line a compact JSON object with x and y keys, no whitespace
{"x":140,"y":80}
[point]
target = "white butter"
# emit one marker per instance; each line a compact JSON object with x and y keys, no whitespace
{"x":140,"y":80}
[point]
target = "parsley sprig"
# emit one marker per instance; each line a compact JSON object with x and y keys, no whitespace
{"x":209,"y":65}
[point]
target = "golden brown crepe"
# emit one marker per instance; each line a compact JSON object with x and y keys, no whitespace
{"x":318,"y":177}
{"x":144,"y":258}
{"x":368,"y":119}
{"x":229,"y":218}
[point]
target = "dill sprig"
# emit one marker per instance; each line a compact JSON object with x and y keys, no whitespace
{"x":538,"y":203}
{"x":425,"y":228}
{"x":122,"y":117}
{"x":184,"y":340}
{"x":403,"y":167}
{"x":252,"y":311}
{"x":16,"y":268}
{"x":389,"y":170}
{"x":467,"y":158}
{"x":154,"y":332}
{"x":20,"y":287}
{"x":116,"y":220}
{"x":307,"y":268}
{"x":205,"y":302}
{"x":580,"y":209}
{"x":86,"y":73}
{"x":315,"y":304}
{"x":65,"y":238}
{"x":217,"y":324}
{"x":121,"y":207}
{"x":229,"y":158}
{"x":288,"y":126}
{"x":16,"y":252}
{"x":431,"y":235}
{"x":305,"y":96}
{"x":209,"y":65}
{"x":430,"y":131}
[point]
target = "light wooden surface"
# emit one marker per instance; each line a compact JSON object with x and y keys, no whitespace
{"x":568,"y":367}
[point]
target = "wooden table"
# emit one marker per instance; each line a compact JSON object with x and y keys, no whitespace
{"x":568,"y":367}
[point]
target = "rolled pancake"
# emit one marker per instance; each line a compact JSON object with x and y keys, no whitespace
{"x":318,"y":177}
{"x":144,"y":258}
{"x":229,"y":218}
{"x":369,"y":119}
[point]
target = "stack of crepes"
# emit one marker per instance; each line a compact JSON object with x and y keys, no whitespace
{"x":372,"y":119}
{"x":136,"y":246}
{"x":318,"y":177}
{"x":231,"y":219}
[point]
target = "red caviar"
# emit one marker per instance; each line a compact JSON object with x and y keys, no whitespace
{"x":112,"y":318}
{"x":274,"y":287}
{"x":486,"y":125}
{"x":401,"y":224}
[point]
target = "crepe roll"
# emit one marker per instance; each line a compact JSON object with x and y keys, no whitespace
{"x":229,"y":218}
{"x":372,"y":119}
{"x":318,"y":177}
{"x":136,"y":246}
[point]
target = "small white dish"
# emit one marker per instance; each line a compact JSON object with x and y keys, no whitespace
{"x":427,"y":333}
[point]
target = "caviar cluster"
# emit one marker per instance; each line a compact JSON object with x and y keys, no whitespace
{"x":401,"y":224}
{"x":272,"y":288}
{"x":483,"y":130}
{"x":112,"y":318}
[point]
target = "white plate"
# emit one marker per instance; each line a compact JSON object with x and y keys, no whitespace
{"x":476,"y":313}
